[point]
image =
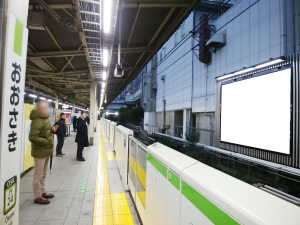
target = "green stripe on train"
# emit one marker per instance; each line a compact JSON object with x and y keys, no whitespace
{"x":210,"y":210}
{"x":18,"y":38}
{"x":174,"y":179}
{"x":158,"y":165}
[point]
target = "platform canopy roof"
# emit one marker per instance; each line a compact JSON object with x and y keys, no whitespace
{"x":67,"y":54}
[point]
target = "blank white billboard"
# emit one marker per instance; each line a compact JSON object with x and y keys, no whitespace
{"x":256,"y":112}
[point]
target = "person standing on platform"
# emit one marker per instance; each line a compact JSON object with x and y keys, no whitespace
{"x":41,"y":139}
{"x":81,"y":136}
{"x":75,"y":123}
{"x":87,"y":119}
{"x":61,"y":134}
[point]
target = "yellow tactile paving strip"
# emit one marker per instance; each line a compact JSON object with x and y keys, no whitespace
{"x":110,"y":156}
{"x":109,"y":208}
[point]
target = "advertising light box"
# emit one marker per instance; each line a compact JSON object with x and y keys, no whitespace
{"x":256,"y":112}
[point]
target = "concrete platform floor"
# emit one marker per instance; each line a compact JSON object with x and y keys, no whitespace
{"x":86,"y":193}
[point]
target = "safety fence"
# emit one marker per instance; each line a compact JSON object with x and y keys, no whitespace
{"x":169,"y":187}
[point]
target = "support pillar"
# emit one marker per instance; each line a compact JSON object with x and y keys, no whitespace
{"x":56,"y":102}
{"x":92,"y":112}
{"x":13,"y":48}
{"x":186,"y":121}
{"x":95,"y":110}
{"x":56,"y":107}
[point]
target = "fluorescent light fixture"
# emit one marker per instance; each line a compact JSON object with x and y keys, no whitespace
{"x":225,"y":76}
{"x":102,"y":90}
{"x":116,"y":113}
{"x":268,"y":63}
{"x":105,"y":57}
{"x":49,"y":100}
{"x":107,"y":15}
{"x":104,"y":75}
{"x":107,"y":113}
{"x":42,"y":98}
{"x":33,"y":96}
{"x":103,"y":85}
{"x":243,"y":71}
{"x":60,"y":103}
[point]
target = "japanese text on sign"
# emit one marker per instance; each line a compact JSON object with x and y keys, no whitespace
{"x":14,"y":101}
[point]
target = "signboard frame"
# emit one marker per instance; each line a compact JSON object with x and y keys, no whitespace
{"x":12,"y":84}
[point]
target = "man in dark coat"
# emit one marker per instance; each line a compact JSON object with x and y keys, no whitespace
{"x":41,"y":148}
{"x":87,"y":119}
{"x":61,"y":133}
{"x":81,"y":136}
{"x":75,"y":123}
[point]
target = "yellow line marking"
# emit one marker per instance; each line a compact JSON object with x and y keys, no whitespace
{"x":110,"y":156}
{"x":109,"y":209}
{"x":103,"y":220}
{"x":123,"y":220}
{"x":133,"y":164}
{"x":142,"y":195}
{"x":118,"y":196}
{"x":141,"y":174}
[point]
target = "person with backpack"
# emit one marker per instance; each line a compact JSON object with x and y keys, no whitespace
{"x":61,"y":133}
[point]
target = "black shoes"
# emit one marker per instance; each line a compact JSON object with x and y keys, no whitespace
{"x":80,"y":159}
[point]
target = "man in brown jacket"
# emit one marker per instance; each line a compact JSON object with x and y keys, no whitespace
{"x":42,"y":147}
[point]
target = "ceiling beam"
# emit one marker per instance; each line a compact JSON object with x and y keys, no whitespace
{"x":62,"y":80}
{"x":44,"y":89}
{"x":172,"y":10}
{"x":55,"y":54}
{"x":161,"y":39}
{"x":56,"y":6}
{"x":70,"y":60}
{"x":78,"y":72}
{"x":154,"y":4}
{"x":133,"y":25}
{"x":133,"y":50}
{"x":44,"y":64}
{"x":55,"y":41}
{"x":162,"y":26}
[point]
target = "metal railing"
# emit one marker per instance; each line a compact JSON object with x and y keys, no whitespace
{"x":206,"y":132}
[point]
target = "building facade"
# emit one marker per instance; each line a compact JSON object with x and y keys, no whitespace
{"x":178,"y":90}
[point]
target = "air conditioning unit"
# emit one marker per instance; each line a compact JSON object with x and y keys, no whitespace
{"x":36,"y":20}
{"x":119,"y":71}
{"x":217,"y":40}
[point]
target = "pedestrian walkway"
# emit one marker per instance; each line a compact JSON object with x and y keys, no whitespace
{"x":86,"y":193}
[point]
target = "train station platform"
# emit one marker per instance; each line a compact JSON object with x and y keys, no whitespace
{"x":89,"y":192}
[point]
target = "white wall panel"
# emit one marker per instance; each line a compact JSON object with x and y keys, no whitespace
{"x":177,"y":69}
{"x":274,"y":28}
